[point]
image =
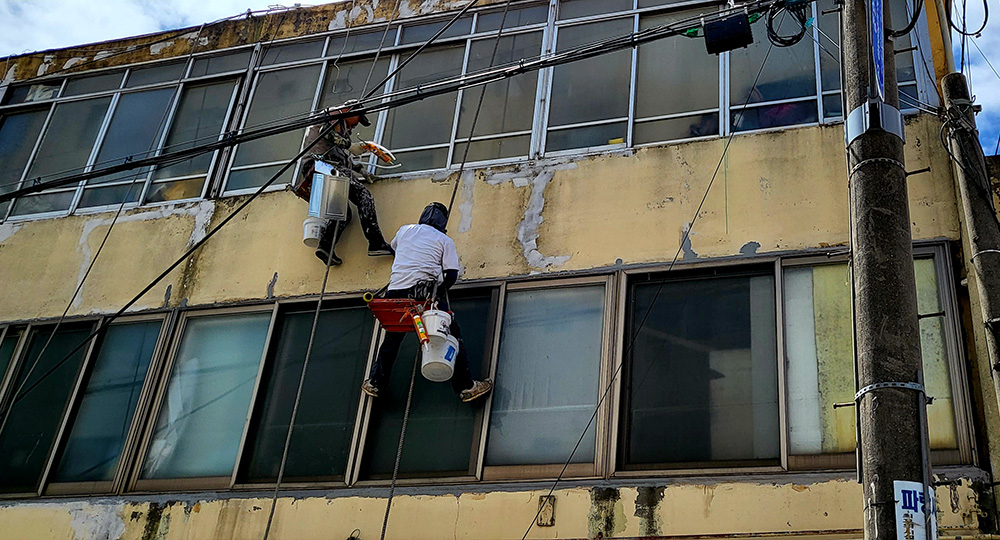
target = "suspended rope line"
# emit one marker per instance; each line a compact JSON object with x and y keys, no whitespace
{"x":381,"y":45}
{"x":659,"y":289}
{"x":399,"y":447}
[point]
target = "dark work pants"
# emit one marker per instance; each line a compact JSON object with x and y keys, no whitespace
{"x":387,"y":353}
{"x":359,"y":195}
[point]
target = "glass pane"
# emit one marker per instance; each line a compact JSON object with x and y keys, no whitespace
{"x":220,"y":64}
{"x":515,"y":17}
{"x":156,"y":74}
{"x":32,"y":92}
{"x":7,"y":347}
{"x":547,"y":377}
{"x":677,"y":128}
{"x":258,"y":176}
{"x":570,"y":9}
{"x":832,"y":106}
{"x":175,"y":190}
{"x":653,"y":3}
{"x":98,"y":432}
{"x":325,"y":421}
{"x":279,"y":95}
{"x":423,"y":32}
{"x":69,"y":138}
{"x":592,"y":89}
{"x":200,"y":117}
{"x":34,"y":418}
{"x":136,"y":126}
{"x":18,"y":133}
{"x":347,"y":80}
{"x":93,"y":83}
{"x":420,"y":160}
{"x":702,"y":382}
{"x":292,"y":52}
{"x":789,"y":73}
{"x":908,"y":96}
{"x":781,"y":114}
{"x":675,"y":74}
{"x":440,"y":429}
{"x":351,"y":42}
{"x":819,"y":349}
{"x":586,"y":137}
{"x":429,"y":121}
{"x":829,"y":61}
{"x":208,"y":394}
{"x":508,"y":105}
{"x":493,"y":149}
{"x":111,"y":195}
{"x":905,"y":70}
{"x":40,"y":204}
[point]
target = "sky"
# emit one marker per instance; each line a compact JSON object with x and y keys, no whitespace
{"x":32,"y":25}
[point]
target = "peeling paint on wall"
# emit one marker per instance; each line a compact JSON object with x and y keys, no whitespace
{"x":157,"y":48}
{"x":44,"y":67}
{"x":74,"y":61}
{"x":527,"y":230}
{"x":97,"y":522}
{"x":8,"y":229}
{"x":647,"y":502}
{"x":466,"y":188}
{"x":102,"y":55}
{"x":686,"y":234}
{"x":607,"y":516}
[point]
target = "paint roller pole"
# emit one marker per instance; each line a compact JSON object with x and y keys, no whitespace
{"x":891,"y":416}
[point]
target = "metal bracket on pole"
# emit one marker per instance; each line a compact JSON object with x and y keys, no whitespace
{"x":873,"y":115}
{"x":908,"y":385}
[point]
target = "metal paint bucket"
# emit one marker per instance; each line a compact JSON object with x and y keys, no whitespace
{"x":438,"y":361}
{"x":329,"y":193}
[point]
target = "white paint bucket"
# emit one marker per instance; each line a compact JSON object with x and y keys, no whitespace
{"x":312,"y":230}
{"x":438,"y":361}
{"x":438,"y":324}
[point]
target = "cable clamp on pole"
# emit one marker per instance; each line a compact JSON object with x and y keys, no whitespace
{"x":908,"y":385}
{"x":873,"y":115}
{"x":978,"y":253}
{"x":870,"y":161}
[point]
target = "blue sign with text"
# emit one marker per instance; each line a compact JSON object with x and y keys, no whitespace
{"x":878,"y":47}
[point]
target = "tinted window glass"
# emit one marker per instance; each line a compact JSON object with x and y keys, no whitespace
{"x":93,"y":83}
{"x":429,"y":121}
{"x":156,"y":74}
{"x":220,"y":64}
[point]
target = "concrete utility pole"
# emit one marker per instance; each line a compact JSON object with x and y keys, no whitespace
{"x":890,"y":402}
{"x":982,"y":231}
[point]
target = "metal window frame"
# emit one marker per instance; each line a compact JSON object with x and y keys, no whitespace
{"x":282,"y":309}
{"x":50,"y":487}
{"x":602,"y":425}
{"x":17,"y":364}
{"x":135,"y":482}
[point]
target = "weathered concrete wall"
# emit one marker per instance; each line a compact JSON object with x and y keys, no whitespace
{"x":827,"y":507}
{"x":778,"y":191}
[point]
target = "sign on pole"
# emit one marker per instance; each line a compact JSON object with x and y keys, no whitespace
{"x":878,"y":47}
{"x":915,"y":519}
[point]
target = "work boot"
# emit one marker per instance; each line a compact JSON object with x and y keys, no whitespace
{"x":369,"y":388}
{"x":478,"y":390}
{"x":323,"y":253}
{"x":375,"y":250}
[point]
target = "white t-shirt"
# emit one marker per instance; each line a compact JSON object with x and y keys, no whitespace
{"x":422,"y":253}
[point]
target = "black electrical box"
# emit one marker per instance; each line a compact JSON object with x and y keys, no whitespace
{"x":728,"y":34}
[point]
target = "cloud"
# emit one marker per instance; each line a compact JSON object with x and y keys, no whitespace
{"x":27,"y":26}
{"x":984,"y":83}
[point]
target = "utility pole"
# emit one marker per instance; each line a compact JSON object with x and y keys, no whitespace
{"x":890,"y":399}
{"x":982,"y":229}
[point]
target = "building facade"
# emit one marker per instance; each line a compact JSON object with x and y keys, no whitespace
{"x":687,"y":399}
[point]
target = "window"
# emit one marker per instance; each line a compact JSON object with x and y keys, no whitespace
{"x":589,"y":102}
{"x":38,"y":402}
{"x":547,"y":380}
{"x":18,"y":133}
{"x":104,"y":417}
{"x":200,"y":118}
{"x":278,"y":96}
{"x":200,"y":422}
{"x":324,"y":426}
{"x":442,"y":435}
{"x":820,"y":372}
{"x":701,"y":382}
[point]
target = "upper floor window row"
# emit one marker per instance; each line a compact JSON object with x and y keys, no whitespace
{"x":735,"y":368}
{"x":664,"y":91}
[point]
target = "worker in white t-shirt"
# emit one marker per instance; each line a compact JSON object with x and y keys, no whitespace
{"x":424,"y":255}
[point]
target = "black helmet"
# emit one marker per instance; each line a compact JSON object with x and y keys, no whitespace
{"x":435,"y":214}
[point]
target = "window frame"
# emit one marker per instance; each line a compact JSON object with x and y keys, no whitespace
{"x":135,"y":481}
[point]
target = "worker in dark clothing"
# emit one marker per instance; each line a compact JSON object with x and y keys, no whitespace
{"x":425,"y":255}
{"x":336,"y":149}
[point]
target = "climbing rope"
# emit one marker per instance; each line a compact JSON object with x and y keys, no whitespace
{"x":399,"y":448}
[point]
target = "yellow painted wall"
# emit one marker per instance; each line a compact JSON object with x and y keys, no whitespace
{"x":828,"y":508}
